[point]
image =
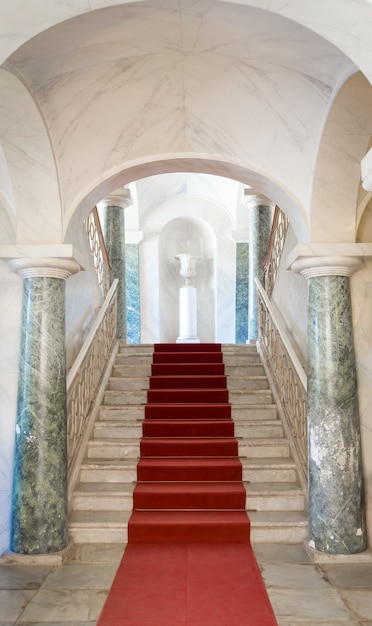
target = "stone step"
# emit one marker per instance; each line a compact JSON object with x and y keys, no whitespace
{"x":122,"y":413}
{"x":248,"y":448}
{"x":120,"y":398}
{"x":131,"y":370}
{"x":119,"y":496}
{"x":258,"y":428}
{"x":260,"y":396}
{"x":106,"y":471}
{"x":116,"y":429}
{"x":127,"y":358}
{"x":269,"y":469}
{"x":112,"y":526}
{"x":245,"y":383}
{"x":111,"y":429}
{"x":138,"y":348}
{"x":252,"y":369}
{"x":254,"y":412}
{"x":249,"y":358}
{"x":128,"y":383}
{"x":270,"y":496}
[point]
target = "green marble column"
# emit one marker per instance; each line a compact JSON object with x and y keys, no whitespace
{"x":259,"y":233}
{"x":113,"y":228}
{"x":336,"y":492}
{"x":39,"y":503}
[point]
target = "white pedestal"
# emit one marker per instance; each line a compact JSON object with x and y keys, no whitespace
{"x":188,"y":315}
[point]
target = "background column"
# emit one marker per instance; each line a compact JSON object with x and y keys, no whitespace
{"x":260,"y":217}
{"x":113,"y":228}
{"x":39,"y":503}
{"x":336,"y":492}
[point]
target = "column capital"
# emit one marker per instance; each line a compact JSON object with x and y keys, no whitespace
{"x":366,"y":167}
{"x":252,"y":198}
{"x":50,"y":261}
{"x":336,"y":259}
{"x":120,"y":197}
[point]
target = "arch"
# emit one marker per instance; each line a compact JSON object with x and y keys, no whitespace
{"x":345,"y":140}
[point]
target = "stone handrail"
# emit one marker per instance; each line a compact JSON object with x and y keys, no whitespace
{"x":85,"y":376}
{"x":287,"y":376}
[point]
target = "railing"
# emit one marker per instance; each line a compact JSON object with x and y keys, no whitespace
{"x":98,"y":250}
{"x":275,"y":249}
{"x":86,"y":373}
{"x":286,"y":373}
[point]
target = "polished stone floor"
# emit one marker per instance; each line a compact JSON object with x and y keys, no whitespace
{"x":301,"y":592}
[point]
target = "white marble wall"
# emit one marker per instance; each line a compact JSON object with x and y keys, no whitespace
{"x":10,"y":321}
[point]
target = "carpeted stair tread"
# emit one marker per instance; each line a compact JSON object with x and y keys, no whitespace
{"x":186,"y":369}
{"x":182,"y":410}
{"x":188,"y":428}
{"x":188,"y":347}
{"x":186,"y":447}
{"x":189,"y":381}
{"x":189,"y":469}
{"x":189,"y":526}
{"x":187,"y":357}
{"x":189,"y":495}
{"x":192,"y":396}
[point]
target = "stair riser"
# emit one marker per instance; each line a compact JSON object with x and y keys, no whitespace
{"x":183,"y":533}
{"x":243,"y":371}
{"x":189,"y":474}
{"x":128,"y":384}
{"x":109,"y":475}
{"x":187,"y":395}
{"x":150,"y":448}
{"x":187,"y":369}
{"x":163,"y":357}
{"x":269,"y":475}
{"x":125,"y":397}
{"x":253,"y":412}
{"x":275,"y":503}
{"x":256,"y":397}
{"x":164,"y":411}
{"x":187,"y":382}
{"x":129,"y":371}
{"x":241,"y":360}
{"x":126,"y":502}
{"x":128,"y":359}
{"x":166,"y":428}
{"x":257,"y":534}
{"x":192,"y":502}
{"x":252,"y":451}
{"x":112,"y":431}
{"x":99,"y":450}
{"x":130,"y":413}
{"x":103,"y":503}
{"x":254,"y":431}
{"x":247,"y":384}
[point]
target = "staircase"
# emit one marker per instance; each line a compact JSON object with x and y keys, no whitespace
{"x":103,"y":499}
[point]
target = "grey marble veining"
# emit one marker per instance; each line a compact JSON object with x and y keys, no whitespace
{"x":336,"y":492}
{"x":39,"y":516}
{"x":259,"y":233}
{"x":113,"y":227}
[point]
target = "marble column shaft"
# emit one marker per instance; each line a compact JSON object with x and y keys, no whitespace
{"x":259,"y":234}
{"x":39,"y":515}
{"x":114,"y":234}
{"x":336,"y":493}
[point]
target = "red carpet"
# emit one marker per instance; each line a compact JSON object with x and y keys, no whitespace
{"x":188,"y":560}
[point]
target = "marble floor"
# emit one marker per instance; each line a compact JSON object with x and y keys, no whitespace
{"x":301,"y":592}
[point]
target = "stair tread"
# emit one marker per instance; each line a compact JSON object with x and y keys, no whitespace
{"x":273,"y":488}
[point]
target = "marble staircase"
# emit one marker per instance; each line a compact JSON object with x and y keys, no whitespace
{"x":102,"y":500}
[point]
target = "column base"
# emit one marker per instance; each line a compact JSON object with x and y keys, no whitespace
{"x":188,"y":340}
{"x":322,"y":557}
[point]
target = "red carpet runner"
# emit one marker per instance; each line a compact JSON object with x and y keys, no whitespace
{"x":188,"y":560}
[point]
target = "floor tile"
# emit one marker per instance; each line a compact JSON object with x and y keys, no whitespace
{"x":351,"y":575}
{"x":360,"y":600}
{"x":308,"y":604}
{"x":12,"y":603}
{"x":97,"y":553}
{"x":293,"y":576}
{"x":280,"y":553}
{"x":50,"y":606}
{"x":23,"y":577}
{"x":81,"y":577}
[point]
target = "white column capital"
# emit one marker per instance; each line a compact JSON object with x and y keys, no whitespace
{"x":366,"y":167}
{"x":48,"y":260}
{"x":328,"y":259}
{"x":252,"y":198}
{"x":120,"y":197}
